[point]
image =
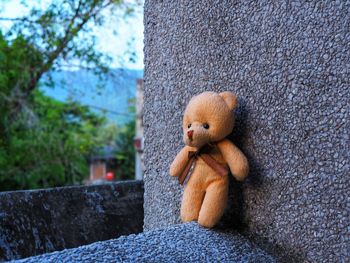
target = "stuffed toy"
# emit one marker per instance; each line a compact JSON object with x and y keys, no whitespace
{"x":203,"y":164}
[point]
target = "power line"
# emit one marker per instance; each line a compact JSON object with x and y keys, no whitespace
{"x":110,"y":111}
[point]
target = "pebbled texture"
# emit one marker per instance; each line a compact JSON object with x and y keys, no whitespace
{"x":289,"y":63}
{"x":180,"y":243}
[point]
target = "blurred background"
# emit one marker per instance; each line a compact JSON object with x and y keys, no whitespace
{"x":70,"y":92}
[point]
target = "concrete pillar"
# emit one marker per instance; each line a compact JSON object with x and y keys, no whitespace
{"x":289,"y":63}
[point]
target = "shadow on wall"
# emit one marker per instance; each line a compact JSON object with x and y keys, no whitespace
{"x":235,"y":214}
{"x":239,"y":137}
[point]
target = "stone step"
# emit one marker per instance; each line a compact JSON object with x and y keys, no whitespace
{"x":178,"y":243}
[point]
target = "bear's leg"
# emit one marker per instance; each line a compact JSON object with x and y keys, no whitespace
{"x":191,"y":203}
{"x":214,"y":204}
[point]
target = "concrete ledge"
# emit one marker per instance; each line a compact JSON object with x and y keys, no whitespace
{"x":42,"y":221}
{"x":179,"y":243}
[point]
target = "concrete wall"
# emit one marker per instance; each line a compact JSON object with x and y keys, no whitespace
{"x":41,"y":221}
{"x":289,"y":62}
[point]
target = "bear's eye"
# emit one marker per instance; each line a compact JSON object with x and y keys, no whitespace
{"x":189,"y":125}
{"x":206,"y":126}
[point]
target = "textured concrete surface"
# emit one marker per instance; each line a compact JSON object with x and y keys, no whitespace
{"x":179,"y":243}
{"x":41,"y":221}
{"x":289,"y":62}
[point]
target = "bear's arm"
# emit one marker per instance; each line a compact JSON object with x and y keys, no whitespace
{"x":235,"y":159}
{"x":180,"y":161}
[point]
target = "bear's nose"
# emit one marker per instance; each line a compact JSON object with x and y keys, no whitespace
{"x":190,"y":134}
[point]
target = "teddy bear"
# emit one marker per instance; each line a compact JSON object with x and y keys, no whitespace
{"x":204,"y":162}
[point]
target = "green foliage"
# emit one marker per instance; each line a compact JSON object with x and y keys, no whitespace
{"x":125,"y":144}
{"x":63,"y":31}
{"x":126,"y":153}
{"x":122,"y":139}
{"x":43,"y":142}
{"x":50,"y":149}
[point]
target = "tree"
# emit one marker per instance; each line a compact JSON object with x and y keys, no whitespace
{"x":126,"y":153}
{"x":62,"y":35}
{"x":122,"y":140}
{"x":53,"y":150}
{"x":44,"y":142}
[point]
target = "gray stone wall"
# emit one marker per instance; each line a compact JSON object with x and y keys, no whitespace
{"x":41,"y":221}
{"x":289,"y":63}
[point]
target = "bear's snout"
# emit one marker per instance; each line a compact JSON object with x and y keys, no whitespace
{"x":190,"y":134}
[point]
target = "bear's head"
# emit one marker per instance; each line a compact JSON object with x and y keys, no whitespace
{"x":208,"y":118}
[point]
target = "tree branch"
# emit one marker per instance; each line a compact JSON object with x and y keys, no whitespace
{"x":70,"y":32}
{"x":53,"y":56}
{"x":22,"y":19}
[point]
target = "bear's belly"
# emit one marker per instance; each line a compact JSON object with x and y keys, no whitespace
{"x":202,"y":174}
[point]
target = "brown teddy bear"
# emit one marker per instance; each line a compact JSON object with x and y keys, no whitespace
{"x":202,"y":165}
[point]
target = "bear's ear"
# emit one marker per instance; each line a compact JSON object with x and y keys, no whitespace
{"x":230,"y":99}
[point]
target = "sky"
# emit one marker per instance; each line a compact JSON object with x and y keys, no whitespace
{"x":114,"y":45}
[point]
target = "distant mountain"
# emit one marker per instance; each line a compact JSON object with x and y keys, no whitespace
{"x":83,"y":86}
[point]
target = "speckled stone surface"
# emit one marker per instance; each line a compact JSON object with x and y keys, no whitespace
{"x":179,"y":243}
{"x":41,"y":221}
{"x":289,"y":63}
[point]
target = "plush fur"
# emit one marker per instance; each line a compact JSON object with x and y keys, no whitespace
{"x":206,"y":192}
